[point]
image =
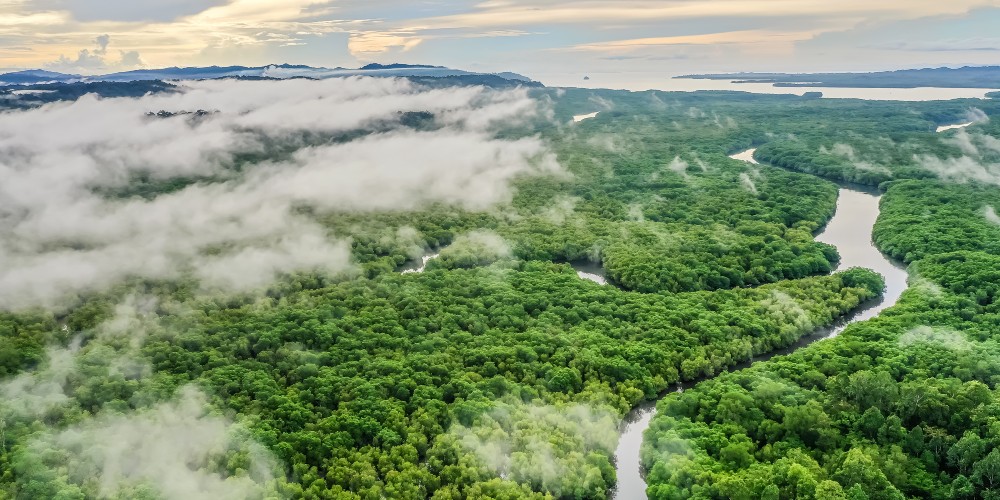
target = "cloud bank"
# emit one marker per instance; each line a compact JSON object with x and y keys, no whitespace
{"x":70,"y":225}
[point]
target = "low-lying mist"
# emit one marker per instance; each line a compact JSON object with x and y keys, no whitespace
{"x":69,"y":223}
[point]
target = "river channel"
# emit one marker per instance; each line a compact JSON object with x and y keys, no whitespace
{"x":850,"y":230}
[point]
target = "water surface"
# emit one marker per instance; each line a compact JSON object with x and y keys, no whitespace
{"x":746,"y":156}
{"x":591,"y":271}
{"x":666,"y":83}
{"x":942,"y":128}
{"x":418,"y":266}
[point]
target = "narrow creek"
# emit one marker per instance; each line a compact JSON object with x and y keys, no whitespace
{"x":418,"y":266}
{"x":850,"y":230}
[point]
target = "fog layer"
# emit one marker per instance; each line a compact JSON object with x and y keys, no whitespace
{"x":232,"y":185}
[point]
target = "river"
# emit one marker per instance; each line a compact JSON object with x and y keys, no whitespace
{"x":592,"y":271}
{"x":418,"y":266}
{"x":956,"y":126}
{"x":850,"y":231}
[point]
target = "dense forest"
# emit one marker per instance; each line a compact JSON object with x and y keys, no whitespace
{"x":498,"y":372}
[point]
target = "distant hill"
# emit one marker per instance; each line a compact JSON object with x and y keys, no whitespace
{"x":27,"y":96}
{"x":176,"y":73}
{"x":966,"y":77}
{"x":278,"y":71}
{"x":396,"y":66}
{"x":33,"y":76}
{"x":493,"y":81}
{"x":30,"y":96}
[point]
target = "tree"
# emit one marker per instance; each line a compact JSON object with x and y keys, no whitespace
{"x":986,"y":472}
{"x":966,"y":452}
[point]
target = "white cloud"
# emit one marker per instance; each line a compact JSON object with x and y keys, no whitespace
{"x":937,"y":337}
{"x":748,"y":183}
{"x":761,"y":35}
{"x":91,"y":61}
{"x":59,"y":237}
{"x":128,"y":10}
{"x":990,"y":214}
{"x":961,"y":169}
{"x":542,"y":444}
{"x":171,"y":447}
{"x":367,"y":45}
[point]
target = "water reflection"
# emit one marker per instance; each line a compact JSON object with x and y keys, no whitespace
{"x":591,"y":271}
{"x":850,"y":231}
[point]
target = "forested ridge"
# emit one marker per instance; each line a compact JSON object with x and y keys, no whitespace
{"x":498,"y":372}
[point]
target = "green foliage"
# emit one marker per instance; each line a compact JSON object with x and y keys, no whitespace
{"x":920,"y":219}
{"x":904,"y":405}
{"x":361,"y":372}
{"x":23,"y":337}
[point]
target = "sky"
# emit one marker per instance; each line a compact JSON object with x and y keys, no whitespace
{"x":555,"y":41}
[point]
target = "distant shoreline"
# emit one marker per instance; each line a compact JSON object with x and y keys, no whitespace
{"x":959,"y":78}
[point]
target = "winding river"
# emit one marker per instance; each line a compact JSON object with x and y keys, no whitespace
{"x":418,"y":266}
{"x":850,"y":231}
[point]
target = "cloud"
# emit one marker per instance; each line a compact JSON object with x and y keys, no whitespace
{"x":129,"y":10}
{"x":977,"y":163}
{"x":787,"y":311}
{"x":696,"y":35}
{"x":985,"y":44}
{"x":68,"y":370}
{"x":367,"y":45}
{"x":33,"y":394}
{"x":533,"y":12}
{"x":990,"y":214}
{"x":102,"y":44}
{"x":89,"y":61}
{"x":174,"y":448}
{"x":961,"y":169}
{"x":937,"y":337}
{"x":747,"y":182}
{"x":679,"y":167}
{"x":476,"y":248}
{"x":976,"y":115}
{"x":64,"y":230}
{"x":963,"y":141}
{"x":723,"y":38}
{"x":171,"y":448}
{"x":560,"y":210}
{"x":847,"y":151}
{"x":541,"y":444}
